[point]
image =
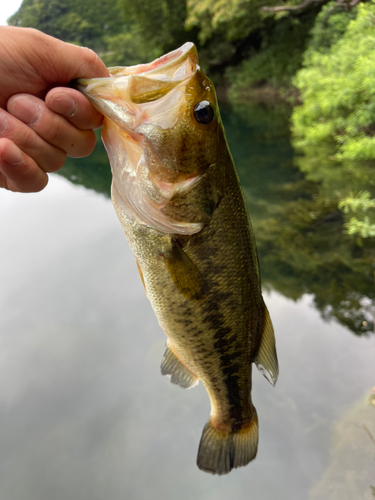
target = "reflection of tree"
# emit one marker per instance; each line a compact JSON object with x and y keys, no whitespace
{"x":293,"y":202}
{"x":298,"y":226}
{"x":334,"y":126}
{"x":348,"y":183}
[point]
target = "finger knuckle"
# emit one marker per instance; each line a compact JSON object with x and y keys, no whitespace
{"x":30,"y":140}
{"x":56,"y":132}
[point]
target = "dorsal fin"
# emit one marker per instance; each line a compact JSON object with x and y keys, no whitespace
{"x":266,"y":358}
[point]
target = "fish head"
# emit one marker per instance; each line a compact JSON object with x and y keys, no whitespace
{"x":161,"y":130}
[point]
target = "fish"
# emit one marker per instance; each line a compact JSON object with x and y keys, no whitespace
{"x":177,"y":195}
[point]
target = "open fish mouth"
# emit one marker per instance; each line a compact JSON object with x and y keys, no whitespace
{"x":140,"y":94}
{"x":141,"y":105}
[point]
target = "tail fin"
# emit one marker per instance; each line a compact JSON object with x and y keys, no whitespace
{"x":220,"y":452}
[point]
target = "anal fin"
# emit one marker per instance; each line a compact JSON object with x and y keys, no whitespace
{"x":178,"y":373}
{"x":266,"y":358}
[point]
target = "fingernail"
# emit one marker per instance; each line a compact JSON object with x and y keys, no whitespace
{"x":13,"y":155}
{"x":3,"y":122}
{"x":63,"y":104}
{"x":25,"y":109}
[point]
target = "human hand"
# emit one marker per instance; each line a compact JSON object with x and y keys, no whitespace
{"x":39,"y":127}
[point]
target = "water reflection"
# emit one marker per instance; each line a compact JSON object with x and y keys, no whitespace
{"x":84,"y":411}
{"x":293,"y":201}
{"x":92,"y":172}
{"x":352,"y":449}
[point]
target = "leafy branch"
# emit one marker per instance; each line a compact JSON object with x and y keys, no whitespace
{"x":306,"y":3}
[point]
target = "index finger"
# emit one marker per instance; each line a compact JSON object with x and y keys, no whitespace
{"x":74,"y":107}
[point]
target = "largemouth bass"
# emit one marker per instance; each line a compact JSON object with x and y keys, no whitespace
{"x":177,"y":195}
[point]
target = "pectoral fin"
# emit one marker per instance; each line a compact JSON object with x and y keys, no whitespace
{"x":179,"y":374}
{"x":185,"y":274}
{"x":266,"y":358}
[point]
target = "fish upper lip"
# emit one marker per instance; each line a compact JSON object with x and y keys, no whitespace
{"x":152,"y":69}
{"x":165,"y":62}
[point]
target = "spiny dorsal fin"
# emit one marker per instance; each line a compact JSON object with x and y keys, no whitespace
{"x":185,"y":274}
{"x":266,"y":358}
{"x":178,"y":373}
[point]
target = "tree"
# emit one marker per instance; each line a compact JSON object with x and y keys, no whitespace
{"x":85,"y":22}
{"x":338,"y":92}
{"x":334,"y":127}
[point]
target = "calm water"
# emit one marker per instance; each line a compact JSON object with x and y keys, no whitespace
{"x":84,"y":411}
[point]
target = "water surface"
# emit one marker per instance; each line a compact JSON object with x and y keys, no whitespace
{"x":84,"y":411}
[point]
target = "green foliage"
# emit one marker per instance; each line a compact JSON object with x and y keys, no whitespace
{"x":275,"y":64}
{"x":334,"y":128}
{"x":232,"y":19}
{"x":126,"y":49}
{"x":271,"y":45}
{"x":352,"y":203}
{"x":338,"y":181}
{"x":337,"y":87}
{"x":157,"y":25}
{"x":329,"y":26}
{"x":365,"y":226}
{"x":84,"y":22}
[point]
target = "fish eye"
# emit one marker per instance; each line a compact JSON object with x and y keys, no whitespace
{"x":204,"y":113}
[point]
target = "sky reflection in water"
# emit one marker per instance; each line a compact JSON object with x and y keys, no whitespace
{"x":84,"y":411}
